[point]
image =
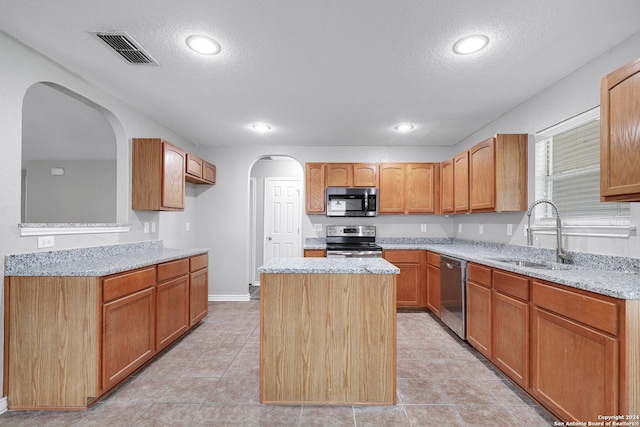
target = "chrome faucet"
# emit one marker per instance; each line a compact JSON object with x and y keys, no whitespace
{"x":561,"y":255}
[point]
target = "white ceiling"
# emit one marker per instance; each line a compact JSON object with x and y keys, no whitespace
{"x":329,"y":72}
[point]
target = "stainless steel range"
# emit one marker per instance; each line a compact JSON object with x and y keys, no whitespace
{"x":352,"y":241}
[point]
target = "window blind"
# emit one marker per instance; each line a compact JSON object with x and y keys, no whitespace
{"x":567,"y":164}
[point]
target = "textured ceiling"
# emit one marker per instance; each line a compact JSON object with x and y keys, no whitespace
{"x":331,"y":72}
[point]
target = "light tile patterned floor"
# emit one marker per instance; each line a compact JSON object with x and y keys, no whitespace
{"x":211,"y":378}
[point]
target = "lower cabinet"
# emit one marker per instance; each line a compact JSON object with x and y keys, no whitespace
{"x":315,"y":253}
{"x":433,"y":282}
{"x":479,"y":309}
{"x":411,"y":285}
{"x":70,"y":339}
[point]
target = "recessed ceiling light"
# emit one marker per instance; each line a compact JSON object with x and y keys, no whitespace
{"x":470,"y":44}
{"x":261,"y":127}
{"x":404,"y":127}
{"x":203,"y":45}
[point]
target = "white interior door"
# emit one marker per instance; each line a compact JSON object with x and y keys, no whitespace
{"x":281,"y":218}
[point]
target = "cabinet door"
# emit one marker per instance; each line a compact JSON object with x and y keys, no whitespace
{"x":461,"y":182}
{"x":411,"y":285}
{"x":365,"y":175}
{"x":209,"y":172}
{"x":172,"y":310}
{"x":479,"y":331}
{"x":315,"y":253}
{"x":198,"y":296}
{"x":128,"y":332}
{"x":482,"y":182}
{"x":315,"y":186}
{"x":339,"y":175}
{"x":173,"y":166}
{"x":433,"y":289}
{"x":392,"y":188}
{"x":620,"y":134}
{"x":447,"y":186}
{"x":194,"y":166}
{"x":511,"y":337}
{"x":574,"y":369}
{"x":420,"y":188}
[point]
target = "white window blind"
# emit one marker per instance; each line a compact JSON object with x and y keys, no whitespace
{"x":567,"y":164}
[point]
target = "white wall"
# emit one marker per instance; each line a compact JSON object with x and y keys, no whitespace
{"x":22,"y":67}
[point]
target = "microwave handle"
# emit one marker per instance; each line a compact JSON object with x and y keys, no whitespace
{"x":366,"y":201}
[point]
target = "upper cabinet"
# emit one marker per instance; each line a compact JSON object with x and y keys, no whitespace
{"x":498,"y":174}
{"x":200,"y":171}
{"x":365,"y":175}
{"x":489,"y":177}
{"x":409,"y":188}
{"x":352,"y":175}
{"x":620,"y":134}
{"x":315,"y":186}
{"x":158,"y":175}
{"x":159,"y":172}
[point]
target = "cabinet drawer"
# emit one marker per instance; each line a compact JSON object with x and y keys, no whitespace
{"x":433,"y":259}
{"x":117,"y":286}
{"x":511,"y":284}
{"x":402,"y":256}
{"x":199,"y":262}
{"x":169,"y":270}
{"x":589,"y":310}
{"x":479,"y":274}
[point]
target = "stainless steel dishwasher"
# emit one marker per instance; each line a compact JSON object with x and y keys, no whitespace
{"x":453,"y":294}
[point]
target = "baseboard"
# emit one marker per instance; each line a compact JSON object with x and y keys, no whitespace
{"x":243,"y":297}
{"x":3,"y":405}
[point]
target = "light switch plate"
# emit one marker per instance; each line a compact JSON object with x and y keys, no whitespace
{"x":481,"y":229}
{"x":459,"y":228}
{"x":146,"y":227}
{"x":45,"y":242}
{"x":423,"y":227}
{"x":317,"y":227}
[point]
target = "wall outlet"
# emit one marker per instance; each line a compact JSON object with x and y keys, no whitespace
{"x":153,"y":227}
{"x":45,"y":242}
{"x":317,"y":227}
{"x":188,"y":226}
{"x":146,"y":227}
{"x":481,"y":229}
{"x":423,"y":227}
{"x":509,"y":229}
{"x":459,"y":228}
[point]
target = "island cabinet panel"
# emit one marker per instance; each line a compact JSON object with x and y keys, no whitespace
{"x":620,"y":134}
{"x":327,"y":339}
{"x":52,"y":344}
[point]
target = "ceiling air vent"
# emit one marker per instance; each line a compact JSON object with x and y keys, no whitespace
{"x":126,"y":47}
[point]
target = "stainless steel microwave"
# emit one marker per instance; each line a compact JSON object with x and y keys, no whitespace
{"x":343,"y":201}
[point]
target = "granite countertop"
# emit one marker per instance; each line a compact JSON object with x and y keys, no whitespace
{"x":94,"y":261}
{"x":329,"y":265}
{"x":618,"y":277}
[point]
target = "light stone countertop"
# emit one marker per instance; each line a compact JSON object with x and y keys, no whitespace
{"x":94,"y":261}
{"x":329,"y":265}
{"x":618,"y":277}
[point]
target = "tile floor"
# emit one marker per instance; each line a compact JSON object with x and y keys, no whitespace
{"x":211,"y":378}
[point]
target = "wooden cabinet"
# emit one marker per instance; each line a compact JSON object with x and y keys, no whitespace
{"x":199,"y":171}
{"x":315,"y":187}
{"x":479,"y":309}
{"x":620,"y":134}
{"x":157,"y":175}
{"x":128,"y":323}
{"x":411,"y":289}
{"x":198,"y":288}
{"x":498,"y":174}
{"x":511,"y":325}
{"x":172,"y":307}
{"x":339,"y":175}
{"x":461,"y":182}
{"x":447,"y":186}
{"x":433,"y":282}
{"x":575,"y":354}
{"x":315,"y":253}
{"x":409,"y":188}
{"x":365,"y":175}
{"x":69,"y":340}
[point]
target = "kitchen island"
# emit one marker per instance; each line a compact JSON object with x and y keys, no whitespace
{"x":328,"y":331}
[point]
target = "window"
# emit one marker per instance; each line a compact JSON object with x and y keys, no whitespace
{"x":567,"y":166}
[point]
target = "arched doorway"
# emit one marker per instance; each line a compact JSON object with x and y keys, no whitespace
{"x":277,"y":175}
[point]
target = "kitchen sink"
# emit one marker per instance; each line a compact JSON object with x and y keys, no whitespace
{"x":530,"y":264}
